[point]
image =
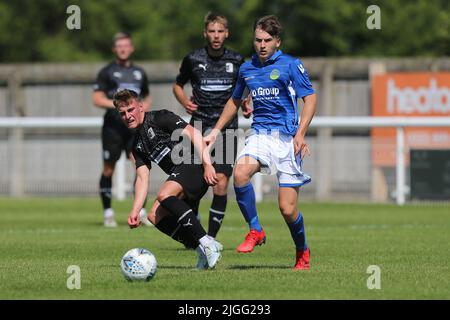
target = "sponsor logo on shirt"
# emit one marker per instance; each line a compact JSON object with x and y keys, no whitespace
{"x":137,"y":74}
{"x":117,"y":74}
{"x":265,"y":93}
{"x":216,"y":84}
{"x":274,"y":74}
{"x":157,"y":159}
{"x":229,"y":67}
{"x":202,"y":66}
{"x":151,"y":133}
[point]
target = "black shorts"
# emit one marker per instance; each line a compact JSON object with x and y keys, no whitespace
{"x":190,"y":177}
{"x":116,"y":137}
{"x":224,"y":153}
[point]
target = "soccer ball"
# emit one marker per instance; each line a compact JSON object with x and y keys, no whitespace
{"x":138,"y":264}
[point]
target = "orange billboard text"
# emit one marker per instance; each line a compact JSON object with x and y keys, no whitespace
{"x":409,"y":95}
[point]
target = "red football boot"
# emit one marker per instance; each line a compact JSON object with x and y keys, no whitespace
{"x":253,"y":238}
{"x":302,"y":260}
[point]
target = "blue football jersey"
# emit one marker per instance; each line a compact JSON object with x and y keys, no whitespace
{"x":275,"y":87}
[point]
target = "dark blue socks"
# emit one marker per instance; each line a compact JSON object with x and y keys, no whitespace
{"x":297,"y":229}
{"x":245,"y":197}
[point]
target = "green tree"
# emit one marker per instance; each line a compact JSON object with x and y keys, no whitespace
{"x":36,"y":30}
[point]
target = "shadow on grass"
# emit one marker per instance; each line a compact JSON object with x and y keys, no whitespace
{"x":176,"y":267}
{"x":252,"y":266}
{"x":234,"y":267}
{"x":182,"y":249}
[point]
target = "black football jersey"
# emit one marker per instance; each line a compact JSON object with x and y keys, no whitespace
{"x":114,"y":77}
{"x":153,"y":141}
{"x":212,"y":80}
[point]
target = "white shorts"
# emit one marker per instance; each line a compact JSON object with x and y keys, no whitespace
{"x":275,"y":151}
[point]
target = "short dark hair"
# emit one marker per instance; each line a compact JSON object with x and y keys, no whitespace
{"x":212,"y":17}
{"x":121,"y":35}
{"x":269,"y":24}
{"x":124,"y":95}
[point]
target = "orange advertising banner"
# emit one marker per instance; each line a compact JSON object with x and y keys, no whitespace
{"x":424,"y":94}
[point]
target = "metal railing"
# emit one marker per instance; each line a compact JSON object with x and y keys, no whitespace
{"x":350,"y":123}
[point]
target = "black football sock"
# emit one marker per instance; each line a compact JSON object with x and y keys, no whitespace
{"x":169,"y":225}
{"x":184,"y":215}
{"x":105,"y":191}
{"x":195,"y":209}
{"x":216,"y":214}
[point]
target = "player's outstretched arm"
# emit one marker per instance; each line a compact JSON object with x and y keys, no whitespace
{"x":204,"y":151}
{"x":140,"y":194}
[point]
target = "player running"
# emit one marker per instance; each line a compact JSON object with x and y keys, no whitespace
{"x":156,"y":141}
{"x":275,"y":80}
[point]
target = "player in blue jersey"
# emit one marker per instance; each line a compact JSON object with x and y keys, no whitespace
{"x":275,"y":80}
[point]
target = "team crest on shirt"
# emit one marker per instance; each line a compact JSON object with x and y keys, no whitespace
{"x":151,"y":133}
{"x":229,"y":67}
{"x":137,"y":75}
{"x":274,"y":74}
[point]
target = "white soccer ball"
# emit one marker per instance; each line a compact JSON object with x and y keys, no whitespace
{"x":138,"y":264}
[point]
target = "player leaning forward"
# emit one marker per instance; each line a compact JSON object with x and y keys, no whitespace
{"x":275,"y":81}
{"x":157,"y":134}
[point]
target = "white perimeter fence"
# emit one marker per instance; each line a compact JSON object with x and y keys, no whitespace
{"x":347,"y":123}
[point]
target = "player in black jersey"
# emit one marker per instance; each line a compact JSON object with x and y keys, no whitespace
{"x":212,"y":72}
{"x":119,"y":74}
{"x":157,"y":135}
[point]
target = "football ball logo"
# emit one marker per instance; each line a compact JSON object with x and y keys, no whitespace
{"x":138,"y":264}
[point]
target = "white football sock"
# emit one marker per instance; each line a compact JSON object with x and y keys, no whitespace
{"x":108,"y":213}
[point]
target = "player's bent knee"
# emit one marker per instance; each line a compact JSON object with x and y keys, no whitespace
{"x":222,"y":186}
{"x":287,"y":210}
{"x":220,"y":190}
{"x":108,"y":172}
{"x":108,"y":168}
{"x":163,"y":195}
{"x":240,"y":176}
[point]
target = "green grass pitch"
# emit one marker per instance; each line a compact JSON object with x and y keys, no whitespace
{"x":41,"y":238}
